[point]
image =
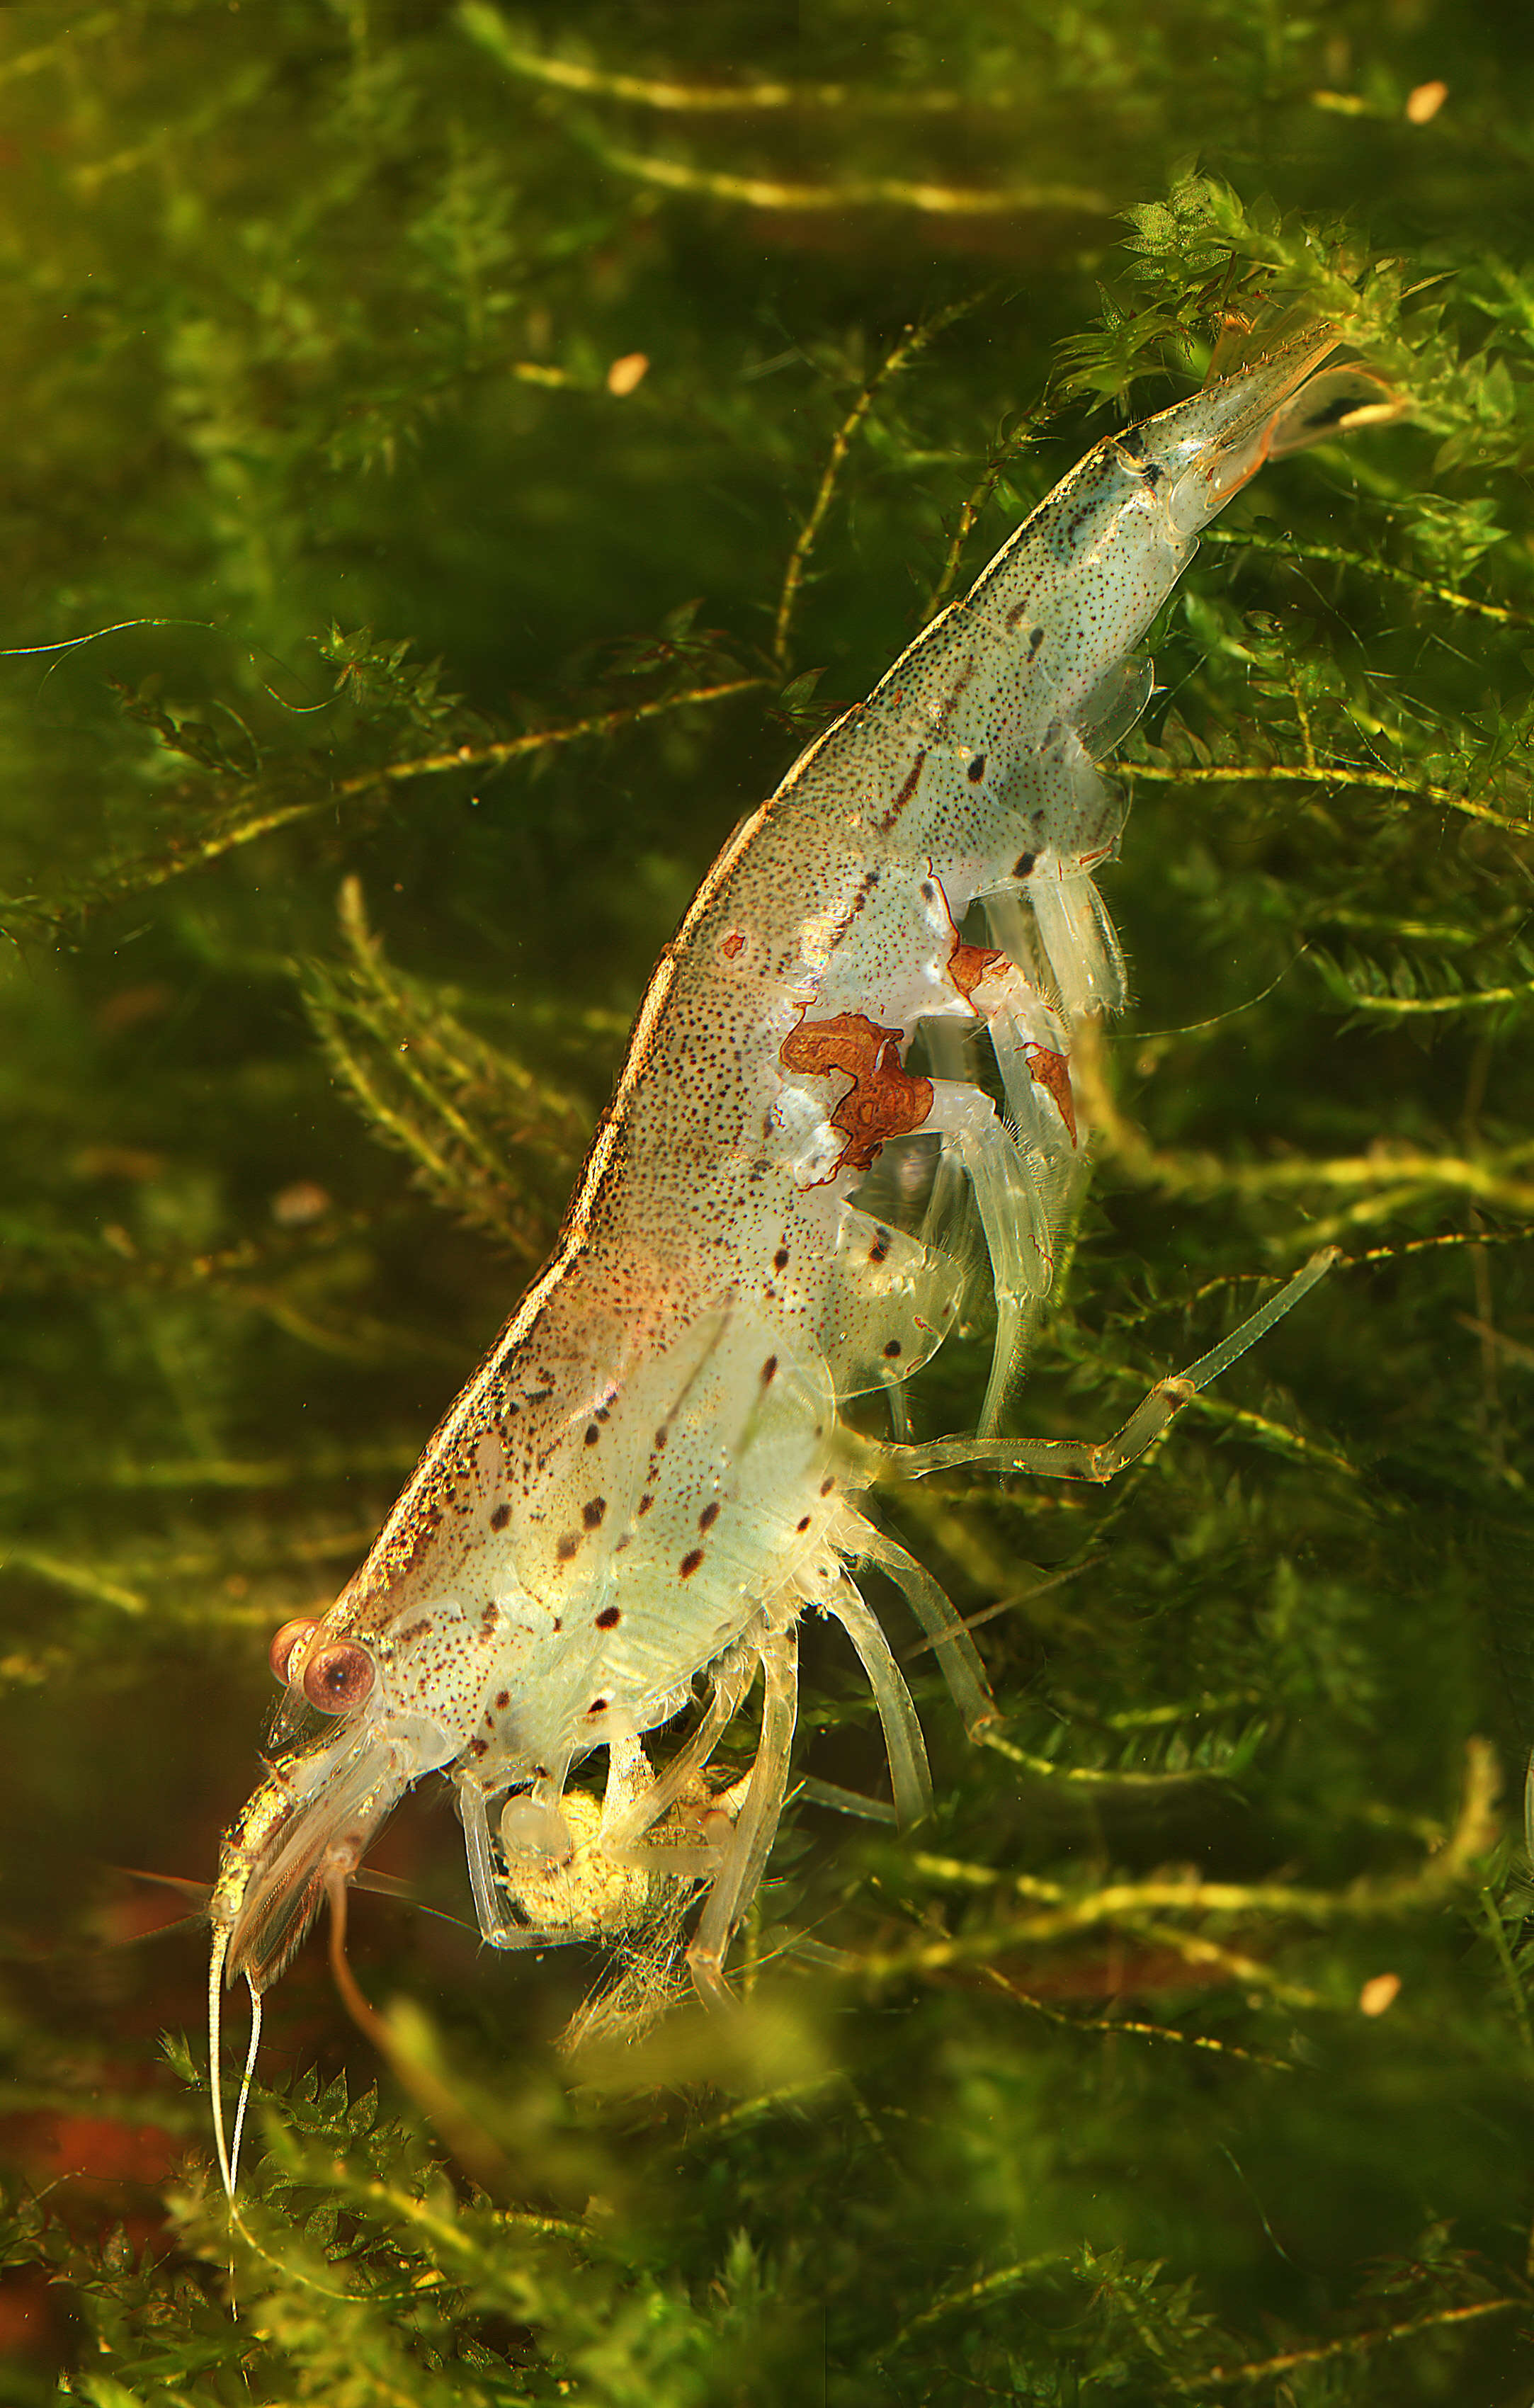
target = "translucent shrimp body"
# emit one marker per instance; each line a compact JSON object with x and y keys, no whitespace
{"x":631,"y":1504}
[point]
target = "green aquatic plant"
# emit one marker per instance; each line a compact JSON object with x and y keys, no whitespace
{"x":455,"y":457}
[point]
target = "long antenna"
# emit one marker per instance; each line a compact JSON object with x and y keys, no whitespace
{"x":245,"y":2080}
{"x":215,"y":2021}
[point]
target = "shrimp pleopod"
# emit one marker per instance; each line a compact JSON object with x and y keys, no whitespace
{"x":625,"y":1515}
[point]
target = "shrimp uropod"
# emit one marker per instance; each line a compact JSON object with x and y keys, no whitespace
{"x":633,"y":1500}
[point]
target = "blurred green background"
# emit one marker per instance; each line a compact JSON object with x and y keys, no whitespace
{"x":410,"y":412}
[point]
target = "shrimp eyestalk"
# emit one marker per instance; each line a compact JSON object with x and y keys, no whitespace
{"x":627,"y":1511}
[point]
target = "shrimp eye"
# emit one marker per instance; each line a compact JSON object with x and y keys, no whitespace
{"x":286,"y":1644}
{"x":339,"y":1678}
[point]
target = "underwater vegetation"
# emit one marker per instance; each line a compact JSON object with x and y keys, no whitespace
{"x":455,"y":458}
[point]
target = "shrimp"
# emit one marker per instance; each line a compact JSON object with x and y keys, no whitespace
{"x":630,"y":1507}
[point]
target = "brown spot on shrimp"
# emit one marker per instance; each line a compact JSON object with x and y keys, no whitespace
{"x":609,"y":1618}
{"x":593,"y":1510}
{"x":1052,"y":1072}
{"x":708,"y":1517}
{"x":500,"y":1517}
{"x":970,"y":966}
{"x":732,"y":944}
{"x":884,"y":1100}
{"x":690,"y":1563}
{"x":912,"y":781}
{"x":859,"y":902}
{"x":952,"y":701}
{"x":568,"y":1545}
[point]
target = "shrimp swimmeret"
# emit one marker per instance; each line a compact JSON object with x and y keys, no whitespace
{"x":635,"y":1497}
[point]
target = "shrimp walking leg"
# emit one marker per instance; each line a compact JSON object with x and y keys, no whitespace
{"x":497,"y":1928}
{"x":903,"y":1743}
{"x":895,"y":1397}
{"x":1080,"y":1459}
{"x":735,"y":1884}
{"x":624,"y":1825}
{"x":930,"y":1602}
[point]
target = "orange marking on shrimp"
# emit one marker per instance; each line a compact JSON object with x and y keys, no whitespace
{"x":884,"y":1100}
{"x":970,"y":966}
{"x":1052,"y":1071}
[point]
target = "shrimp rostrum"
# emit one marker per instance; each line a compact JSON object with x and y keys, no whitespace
{"x":624,"y":1514}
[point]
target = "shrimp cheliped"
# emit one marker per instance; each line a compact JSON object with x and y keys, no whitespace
{"x":626,"y":1512}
